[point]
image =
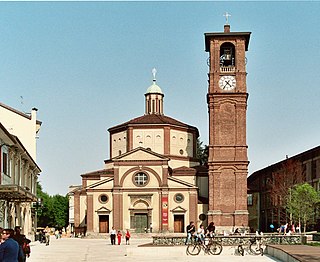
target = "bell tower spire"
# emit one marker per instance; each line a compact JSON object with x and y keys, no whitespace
{"x":154,"y":97}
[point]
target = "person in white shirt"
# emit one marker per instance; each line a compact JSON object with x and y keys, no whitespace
{"x":201,"y":233}
{"x":113,"y":234}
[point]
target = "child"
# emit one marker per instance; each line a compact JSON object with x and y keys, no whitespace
{"x":119,"y":235}
{"x":127,"y":237}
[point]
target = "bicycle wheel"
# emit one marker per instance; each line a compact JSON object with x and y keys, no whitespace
{"x":215,"y":249}
{"x":193,"y":250}
{"x":255,"y":248}
{"x":241,"y":250}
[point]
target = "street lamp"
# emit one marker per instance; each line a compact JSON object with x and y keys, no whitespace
{"x":38,"y":205}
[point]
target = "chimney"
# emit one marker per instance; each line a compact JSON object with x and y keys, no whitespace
{"x":227,"y":28}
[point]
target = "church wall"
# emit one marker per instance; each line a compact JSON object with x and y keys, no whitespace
{"x":188,"y":179}
{"x":149,"y":138}
{"x":103,"y":186}
{"x":128,"y":180}
{"x":202,"y":183}
{"x":178,"y":163}
{"x":178,"y":208}
{"x":181,"y":143}
{"x":97,"y":205}
{"x":83,"y":210}
{"x":118,"y":143}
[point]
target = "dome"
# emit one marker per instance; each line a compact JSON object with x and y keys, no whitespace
{"x":154,"y":89}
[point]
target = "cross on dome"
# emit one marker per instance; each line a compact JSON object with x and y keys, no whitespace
{"x":154,"y":72}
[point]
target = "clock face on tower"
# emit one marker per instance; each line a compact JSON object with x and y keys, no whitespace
{"x":227,"y":83}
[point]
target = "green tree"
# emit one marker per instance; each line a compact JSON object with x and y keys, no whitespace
{"x":60,"y":206}
{"x":290,"y":173}
{"x":202,"y":152}
{"x":301,"y":203}
{"x":54,"y":209}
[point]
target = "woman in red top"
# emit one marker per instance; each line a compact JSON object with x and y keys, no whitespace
{"x":119,"y":235}
{"x":127,"y":237}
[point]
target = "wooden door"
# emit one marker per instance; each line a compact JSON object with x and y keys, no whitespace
{"x":104,"y":224}
{"x":178,"y":223}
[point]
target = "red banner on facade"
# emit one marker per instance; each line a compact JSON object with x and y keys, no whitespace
{"x":165,"y":210}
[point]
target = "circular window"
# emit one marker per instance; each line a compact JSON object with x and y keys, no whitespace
{"x":181,"y":152}
{"x":178,"y":198}
{"x":140,"y":179}
{"x":103,"y":199}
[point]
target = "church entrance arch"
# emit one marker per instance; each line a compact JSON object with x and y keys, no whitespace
{"x":140,"y":212}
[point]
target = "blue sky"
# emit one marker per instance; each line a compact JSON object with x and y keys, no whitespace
{"x":87,"y":65}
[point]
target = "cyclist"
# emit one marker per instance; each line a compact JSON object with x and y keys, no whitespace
{"x":190,"y":231}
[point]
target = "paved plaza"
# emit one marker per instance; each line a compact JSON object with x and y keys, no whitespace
{"x":96,"y":250}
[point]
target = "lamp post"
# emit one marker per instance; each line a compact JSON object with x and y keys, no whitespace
{"x":37,"y":207}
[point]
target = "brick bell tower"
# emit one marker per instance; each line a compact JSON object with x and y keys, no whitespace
{"x":227,"y":105}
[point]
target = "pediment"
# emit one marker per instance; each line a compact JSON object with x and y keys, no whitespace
{"x":175,"y":182}
{"x":140,"y":154}
{"x":178,"y":209}
{"x":100,"y":184}
{"x":103,"y":210}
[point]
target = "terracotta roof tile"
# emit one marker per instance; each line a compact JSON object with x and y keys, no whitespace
{"x":152,"y":119}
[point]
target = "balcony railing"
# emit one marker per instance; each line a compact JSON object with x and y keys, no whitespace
{"x":227,"y":69}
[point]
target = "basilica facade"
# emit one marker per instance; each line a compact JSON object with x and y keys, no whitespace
{"x":153,"y":176}
{"x":152,"y":180}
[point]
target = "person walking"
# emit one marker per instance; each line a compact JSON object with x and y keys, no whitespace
{"x":9,"y":249}
{"x":113,"y":234}
{"x":47,"y":235}
{"x":23,"y":243}
{"x":119,"y":236}
{"x":127,"y":236}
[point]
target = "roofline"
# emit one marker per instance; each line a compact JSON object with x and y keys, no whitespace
{"x":208,"y":36}
{"x":125,"y":125}
{"x":18,"y":112}
{"x":118,"y":158}
{"x":275,"y":165}
{"x":16,"y":141}
{"x":7,"y":133}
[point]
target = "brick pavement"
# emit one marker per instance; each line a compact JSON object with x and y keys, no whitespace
{"x":98,"y":250}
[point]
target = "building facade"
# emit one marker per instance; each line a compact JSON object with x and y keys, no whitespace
{"x":19,"y":170}
{"x":268,"y":188}
{"x":150,"y":181}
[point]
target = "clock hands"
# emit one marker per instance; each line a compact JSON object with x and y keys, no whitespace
{"x":227,"y":82}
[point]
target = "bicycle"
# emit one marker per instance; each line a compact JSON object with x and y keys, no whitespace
{"x":211,"y":248}
{"x":256,"y":246}
{"x":240,"y":247}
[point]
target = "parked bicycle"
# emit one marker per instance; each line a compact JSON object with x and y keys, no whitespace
{"x":209,"y":246}
{"x":257,"y":246}
{"x":240,"y":247}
